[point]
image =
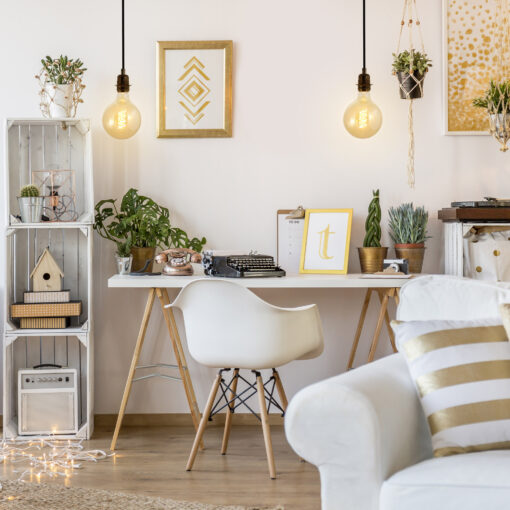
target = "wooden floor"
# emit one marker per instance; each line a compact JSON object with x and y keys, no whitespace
{"x":151,"y":461}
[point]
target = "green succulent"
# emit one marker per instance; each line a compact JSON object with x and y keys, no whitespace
{"x":408,"y":225}
{"x":496,"y":97}
{"x":29,"y":191}
{"x":411,"y":61}
{"x":373,"y":223}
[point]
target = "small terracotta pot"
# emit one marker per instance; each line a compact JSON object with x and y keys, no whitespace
{"x":414,"y":254}
{"x":141,"y":256}
{"x":371,"y":259}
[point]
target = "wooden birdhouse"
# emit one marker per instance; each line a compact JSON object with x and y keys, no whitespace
{"x":47,"y":275}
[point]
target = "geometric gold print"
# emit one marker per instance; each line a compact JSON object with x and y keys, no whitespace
{"x":194,"y":90}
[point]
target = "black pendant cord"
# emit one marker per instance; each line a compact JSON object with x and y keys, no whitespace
{"x":364,"y":78}
{"x":123,"y":78}
{"x":364,"y":39}
{"x":123,"y":51}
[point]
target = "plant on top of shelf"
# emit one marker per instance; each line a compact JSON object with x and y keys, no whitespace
{"x":372,"y":254}
{"x":30,"y":204}
{"x":63,"y":70}
{"x":61,"y":86}
{"x":29,"y":191}
{"x":408,"y":230}
{"x":139,"y":227}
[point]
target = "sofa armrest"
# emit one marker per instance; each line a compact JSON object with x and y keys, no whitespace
{"x":359,"y":428}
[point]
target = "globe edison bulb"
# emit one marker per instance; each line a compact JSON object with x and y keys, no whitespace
{"x":363,"y":118}
{"x":122,"y":118}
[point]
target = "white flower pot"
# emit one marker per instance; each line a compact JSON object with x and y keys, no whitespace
{"x":61,"y":100}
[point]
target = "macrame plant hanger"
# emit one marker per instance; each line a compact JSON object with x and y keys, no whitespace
{"x":411,"y":87}
{"x":498,"y":105}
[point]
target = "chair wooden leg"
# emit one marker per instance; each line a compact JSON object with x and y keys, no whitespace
{"x":265,"y":427}
{"x":203,"y":422}
{"x":388,"y":323}
{"x":357,"y":336}
{"x":134,"y":363}
{"x":230,"y":412}
{"x":384,"y":306}
{"x":281,"y":391}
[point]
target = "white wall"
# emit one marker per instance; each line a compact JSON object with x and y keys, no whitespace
{"x":295,"y":68}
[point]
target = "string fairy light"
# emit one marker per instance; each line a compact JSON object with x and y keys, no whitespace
{"x":47,"y":457}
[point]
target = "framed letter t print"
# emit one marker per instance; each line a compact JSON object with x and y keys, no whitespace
{"x":194,"y":89}
{"x":326,"y":241}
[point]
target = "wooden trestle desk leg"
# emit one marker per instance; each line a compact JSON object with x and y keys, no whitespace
{"x":134,"y":363}
{"x":382,"y":314}
{"x":387,"y":319}
{"x":168,"y":314}
{"x":361,"y":321}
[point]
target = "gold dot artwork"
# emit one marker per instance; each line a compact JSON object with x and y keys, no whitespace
{"x":476,"y":30}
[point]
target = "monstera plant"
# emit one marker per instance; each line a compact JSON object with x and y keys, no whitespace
{"x":372,"y":254}
{"x":140,"y":226}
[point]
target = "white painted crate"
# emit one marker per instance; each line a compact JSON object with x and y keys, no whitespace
{"x":454,"y":232}
{"x":37,"y":144}
{"x":34,"y":348}
{"x":44,"y":144}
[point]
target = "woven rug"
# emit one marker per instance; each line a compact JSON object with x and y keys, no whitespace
{"x":29,"y":496}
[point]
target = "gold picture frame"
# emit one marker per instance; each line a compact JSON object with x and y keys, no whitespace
{"x":470,"y":43}
{"x":194,"y":89}
{"x":318,"y":256}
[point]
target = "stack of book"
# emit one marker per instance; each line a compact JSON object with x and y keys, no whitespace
{"x":46,"y":310}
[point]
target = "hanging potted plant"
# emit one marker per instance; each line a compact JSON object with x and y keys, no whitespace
{"x":61,"y":86}
{"x":30,"y":204}
{"x":372,"y":254}
{"x":408,"y":230}
{"x":411,"y":67}
{"x":138,"y":228}
{"x":496,"y":101}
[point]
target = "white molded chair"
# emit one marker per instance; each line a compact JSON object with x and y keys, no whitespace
{"x":229,"y":327}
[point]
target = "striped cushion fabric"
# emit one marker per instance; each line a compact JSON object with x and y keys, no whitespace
{"x":462,"y":373}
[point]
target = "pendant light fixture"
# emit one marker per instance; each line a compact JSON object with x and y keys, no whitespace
{"x":363,"y":118}
{"x":122,"y":119}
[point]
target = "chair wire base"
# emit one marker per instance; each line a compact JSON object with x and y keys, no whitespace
{"x":240,"y":399}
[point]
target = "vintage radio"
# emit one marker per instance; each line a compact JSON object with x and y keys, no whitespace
{"x":47,"y":401}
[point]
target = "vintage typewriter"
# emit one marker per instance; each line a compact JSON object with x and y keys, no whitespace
{"x":230,"y":265}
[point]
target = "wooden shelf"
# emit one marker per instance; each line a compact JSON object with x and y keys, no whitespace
{"x":474,"y":214}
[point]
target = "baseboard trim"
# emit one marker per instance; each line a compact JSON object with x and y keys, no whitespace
{"x":175,"y":420}
{"x":179,"y":420}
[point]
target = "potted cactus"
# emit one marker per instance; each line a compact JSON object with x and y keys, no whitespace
{"x":372,"y":254}
{"x":408,"y":230}
{"x":30,"y":204}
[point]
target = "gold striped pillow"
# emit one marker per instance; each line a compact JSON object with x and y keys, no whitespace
{"x":462,"y":373}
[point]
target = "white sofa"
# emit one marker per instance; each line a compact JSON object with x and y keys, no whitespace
{"x":366,"y":432}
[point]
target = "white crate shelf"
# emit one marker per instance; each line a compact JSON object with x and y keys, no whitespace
{"x":35,"y":144}
{"x":42,"y":144}
{"x":67,"y":350}
{"x":454,"y":232}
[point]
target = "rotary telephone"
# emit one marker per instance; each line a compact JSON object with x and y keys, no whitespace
{"x":178,"y":261}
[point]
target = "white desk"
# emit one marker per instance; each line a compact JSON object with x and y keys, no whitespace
{"x":157,"y":286}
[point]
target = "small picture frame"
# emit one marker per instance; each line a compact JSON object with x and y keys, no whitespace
{"x":326,"y":240}
{"x":194,"y":89}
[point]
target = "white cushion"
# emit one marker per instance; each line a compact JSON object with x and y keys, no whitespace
{"x":462,"y":372}
{"x":441,"y":297}
{"x":474,"y":481}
